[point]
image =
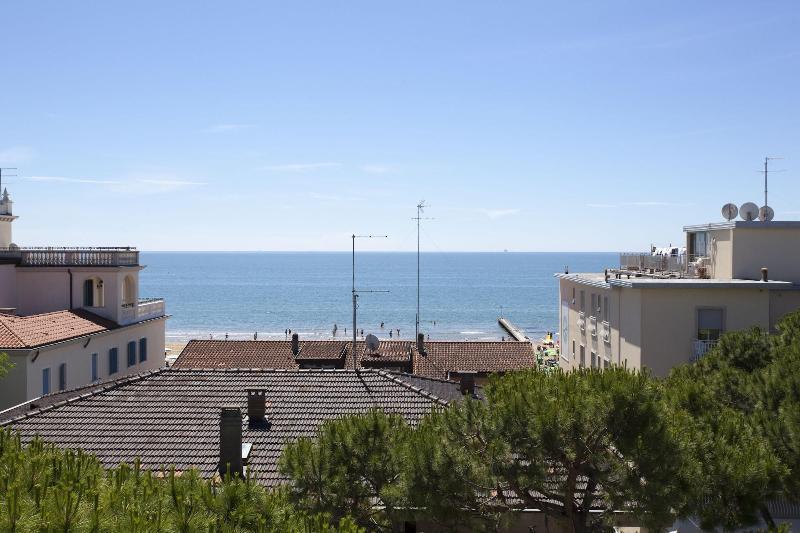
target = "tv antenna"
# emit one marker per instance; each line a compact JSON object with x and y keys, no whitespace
{"x":420,"y":210}
{"x":766,"y":173}
{"x":12,"y":175}
{"x":357,"y":292}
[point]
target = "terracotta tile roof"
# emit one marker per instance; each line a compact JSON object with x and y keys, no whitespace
{"x":322,"y":350}
{"x":444,"y":357}
{"x":441,"y":359}
{"x":37,"y":330}
{"x":172,"y":416}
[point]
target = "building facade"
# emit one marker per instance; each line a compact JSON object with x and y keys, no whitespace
{"x":660,"y":311}
{"x":67,"y":314}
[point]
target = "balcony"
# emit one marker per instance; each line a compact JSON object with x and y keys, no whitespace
{"x":701,"y":348}
{"x":582,"y":322}
{"x":606,"y":332}
{"x":71,"y":257}
{"x":593,"y":326}
{"x":144,"y":309}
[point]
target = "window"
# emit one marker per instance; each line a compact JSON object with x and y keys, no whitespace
{"x":112,"y":361}
{"x":142,"y":350}
{"x":605,"y":309}
{"x":573,"y":348}
{"x":583,"y":301}
{"x":594,"y":305}
{"x":594,"y":360}
{"x":93,"y":293}
{"x":45,"y":381}
{"x":606,"y":363}
{"x":583,"y":356}
{"x":131,"y":353}
{"x":88,"y":293}
{"x":709,"y":324}
{"x":62,"y":376}
{"x":573,"y":295}
{"x":94,"y":367}
{"x":698,"y":244}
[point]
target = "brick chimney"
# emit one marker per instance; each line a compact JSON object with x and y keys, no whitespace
{"x":421,"y":344}
{"x":295,"y":344}
{"x":764,"y":274}
{"x":230,"y":440}
{"x":256,"y":406}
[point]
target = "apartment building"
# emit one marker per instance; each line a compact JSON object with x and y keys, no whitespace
{"x":72,"y":316}
{"x":660,"y":310}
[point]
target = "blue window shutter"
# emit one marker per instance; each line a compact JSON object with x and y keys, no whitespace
{"x":142,"y":350}
{"x":112,"y":361}
{"x":131,"y":353}
{"x":94,"y":367}
{"x":45,"y":381}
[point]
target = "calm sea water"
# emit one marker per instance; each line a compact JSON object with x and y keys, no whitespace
{"x":213,"y":293}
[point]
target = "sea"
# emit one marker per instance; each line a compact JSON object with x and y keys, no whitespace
{"x":242,"y":295}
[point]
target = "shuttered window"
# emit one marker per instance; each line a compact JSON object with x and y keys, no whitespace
{"x":113,"y":362}
{"x":709,"y":324}
{"x":131,"y":353}
{"x":142,"y":350}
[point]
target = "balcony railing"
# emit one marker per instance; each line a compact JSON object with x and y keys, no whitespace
{"x":144,"y":309}
{"x":645,"y":264}
{"x":582,"y":321}
{"x":701,"y":348}
{"x":606,"y":332}
{"x":82,"y":256}
{"x":593,"y":326}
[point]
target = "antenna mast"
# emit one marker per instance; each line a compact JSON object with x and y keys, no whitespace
{"x":355,"y":292}
{"x":766,"y":171}
{"x":420,"y":209}
{"x":9,"y":175}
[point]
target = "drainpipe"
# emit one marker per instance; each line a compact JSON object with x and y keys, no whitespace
{"x":69,"y":271}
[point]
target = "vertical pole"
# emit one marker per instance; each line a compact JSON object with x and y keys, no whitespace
{"x":766,"y":160}
{"x":355,"y":362}
{"x":416,"y":330}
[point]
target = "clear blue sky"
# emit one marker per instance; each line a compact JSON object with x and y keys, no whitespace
{"x":289,"y":125}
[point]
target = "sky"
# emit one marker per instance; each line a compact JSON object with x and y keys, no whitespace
{"x":525,"y":126}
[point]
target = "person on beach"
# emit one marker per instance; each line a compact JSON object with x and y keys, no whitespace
{"x":381,"y":325}
{"x":255,"y":336}
{"x":390,"y":334}
{"x":226,"y":336}
{"x":335,"y":328}
{"x":398,"y":333}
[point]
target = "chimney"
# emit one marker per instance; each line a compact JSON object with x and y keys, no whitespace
{"x":295,"y":344}
{"x":466,"y":383}
{"x":421,"y":343}
{"x":256,"y":406}
{"x":230,"y":440}
{"x":764,"y":274}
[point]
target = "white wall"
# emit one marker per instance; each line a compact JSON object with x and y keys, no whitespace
{"x":79,"y":361}
{"x":8,"y":286}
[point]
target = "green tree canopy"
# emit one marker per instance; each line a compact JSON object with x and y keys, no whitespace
{"x":352,"y":467}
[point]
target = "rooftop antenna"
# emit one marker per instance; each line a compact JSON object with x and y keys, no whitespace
{"x":356,"y":292}
{"x":420,"y":210}
{"x":766,"y":172}
{"x":12,"y":175}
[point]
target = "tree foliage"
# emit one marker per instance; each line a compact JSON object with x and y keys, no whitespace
{"x":577,"y":445}
{"x":43,"y":488}
{"x":352,"y":468}
{"x":5,"y":364}
{"x":739,"y":406}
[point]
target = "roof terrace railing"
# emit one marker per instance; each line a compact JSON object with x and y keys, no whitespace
{"x":663,"y":266}
{"x":72,"y":256}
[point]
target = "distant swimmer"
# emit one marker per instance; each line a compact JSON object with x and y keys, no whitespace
{"x":390,"y":334}
{"x":381,"y":325}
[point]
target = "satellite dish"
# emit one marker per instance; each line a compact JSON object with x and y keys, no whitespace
{"x":729,"y":211}
{"x":766,"y":213}
{"x":372,"y":343}
{"x":748,"y":211}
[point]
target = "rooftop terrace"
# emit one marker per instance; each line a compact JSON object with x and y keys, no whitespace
{"x":50,"y":256}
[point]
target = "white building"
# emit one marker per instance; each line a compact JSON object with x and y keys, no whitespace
{"x":71,"y":316}
{"x":660,"y":311}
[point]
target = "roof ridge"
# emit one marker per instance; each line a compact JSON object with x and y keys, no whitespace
{"x":418,"y":390}
{"x":101,"y":388}
{"x":440,"y":380}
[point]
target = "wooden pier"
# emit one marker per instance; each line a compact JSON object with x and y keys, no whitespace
{"x":516,"y":333}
